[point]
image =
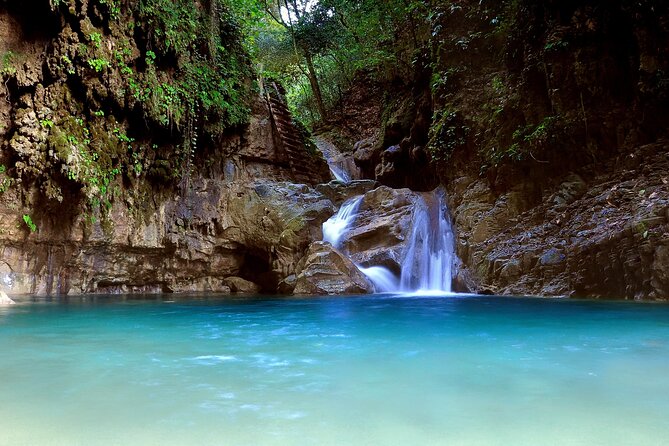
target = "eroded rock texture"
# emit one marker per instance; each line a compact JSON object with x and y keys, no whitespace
{"x":325,"y":270}
{"x":119,"y":173}
{"x":604,"y":236}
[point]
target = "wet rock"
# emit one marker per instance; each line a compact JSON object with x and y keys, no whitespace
{"x":391,"y":169}
{"x":379,"y":235}
{"x":5,"y":300}
{"x":551,"y":257}
{"x":324,"y":270}
{"x":287,"y":285}
{"x":464,"y":282}
{"x":338,"y":192}
{"x":660,"y":270}
{"x":241,"y":286}
{"x":366,"y":154}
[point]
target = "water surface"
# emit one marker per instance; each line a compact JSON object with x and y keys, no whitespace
{"x":334,"y":371}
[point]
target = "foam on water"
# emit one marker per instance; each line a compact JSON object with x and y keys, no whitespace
{"x":383,"y":279}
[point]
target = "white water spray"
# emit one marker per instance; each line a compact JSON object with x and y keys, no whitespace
{"x":336,"y":227}
{"x":383,"y":279}
{"x":429,"y":258}
{"x":339,"y":173}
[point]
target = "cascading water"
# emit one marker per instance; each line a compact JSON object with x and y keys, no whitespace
{"x":335,"y":227}
{"x":342,"y":168}
{"x":339,"y":174}
{"x":429,"y":257}
{"x":383,"y":279}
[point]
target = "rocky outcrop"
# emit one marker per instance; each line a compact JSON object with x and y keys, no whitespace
{"x":607,"y":236}
{"x":165,"y":243}
{"x":338,"y":193}
{"x":241,"y":286}
{"x":325,"y":270}
{"x":129,"y":164}
{"x":5,"y":300}
{"x":381,"y":229}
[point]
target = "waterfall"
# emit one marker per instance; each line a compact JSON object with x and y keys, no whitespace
{"x":383,"y":279}
{"x":429,"y":258}
{"x":341,"y":168}
{"x":335,"y":227}
{"x":338,"y":173}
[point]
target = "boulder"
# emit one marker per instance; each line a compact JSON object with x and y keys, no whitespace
{"x":338,"y":192}
{"x":324,"y":270}
{"x":275,"y":222}
{"x":287,"y":285}
{"x":5,"y":300}
{"x":366,"y":155}
{"x":242,"y":286}
{"x":381,"y":229}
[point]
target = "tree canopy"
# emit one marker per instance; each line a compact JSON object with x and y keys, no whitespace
{"x":314,"y":47}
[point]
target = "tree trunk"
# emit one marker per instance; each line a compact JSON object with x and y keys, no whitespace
{"x":315,"y":87}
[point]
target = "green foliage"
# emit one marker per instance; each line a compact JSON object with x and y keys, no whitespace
{"x":27,"y":219}
{"x":95,"y":38}
{"x":556,"y":46}
{"x":336,"y":37}
{"x":447,"y":134}
{"x":212,"y":68}
{"x":5,"y":183}
{"x":8,"y":61}
{"x":46,"y":123}
{"x":98,"y":64}
{"x":90,"y":155}
{"x":68,"y":65}
{"x":527,"y":140}
{"x":112,"y":6}
{"x":150,"y":57}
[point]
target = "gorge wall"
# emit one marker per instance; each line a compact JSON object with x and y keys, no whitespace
{"x":547,"y":123}
{"x":124,"y":170}
{"x":139,"y":153}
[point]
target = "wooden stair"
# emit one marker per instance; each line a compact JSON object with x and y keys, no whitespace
{"x":305,"y":167}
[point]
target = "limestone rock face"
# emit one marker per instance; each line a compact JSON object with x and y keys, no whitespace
{"x":324,"y":270}
{"x":381,"y":229}
{"x":608,"y":237}
{"x":193,"y":241}
{"x":239,"y":285}
{"x":5,"y":300}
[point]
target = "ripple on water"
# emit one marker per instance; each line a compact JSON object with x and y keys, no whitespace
{"x":334,"y":372}
{"x":212,"y":359}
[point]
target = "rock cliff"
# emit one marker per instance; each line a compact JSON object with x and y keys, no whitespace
{"x":123,"y":170}
{"x":546,"y":123}
{"x":139,"y":154}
